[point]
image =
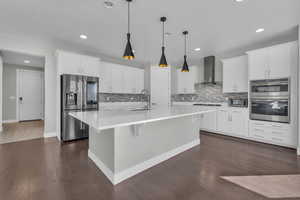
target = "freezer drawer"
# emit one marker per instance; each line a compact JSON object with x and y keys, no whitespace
{"x":72,"y":128}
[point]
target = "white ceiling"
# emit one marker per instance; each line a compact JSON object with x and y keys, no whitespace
{"x":219,"y":27}
{"x":16,"y":58}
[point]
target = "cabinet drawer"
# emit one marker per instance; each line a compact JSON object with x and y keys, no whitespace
{"x":259,"y":133}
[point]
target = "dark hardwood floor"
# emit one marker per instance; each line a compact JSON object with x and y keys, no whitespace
{"x":44,"y":169}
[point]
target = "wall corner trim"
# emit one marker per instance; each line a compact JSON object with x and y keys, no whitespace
{"x":50,"y":134}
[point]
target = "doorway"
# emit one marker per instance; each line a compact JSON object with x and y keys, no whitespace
{"x":23,"y":97}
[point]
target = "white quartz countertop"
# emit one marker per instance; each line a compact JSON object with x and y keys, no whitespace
{"x":106,"y":119}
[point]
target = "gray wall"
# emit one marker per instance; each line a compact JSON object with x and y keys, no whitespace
{"x":10,"y":89}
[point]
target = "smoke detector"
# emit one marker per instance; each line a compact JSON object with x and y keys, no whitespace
{"x":108,"y":4}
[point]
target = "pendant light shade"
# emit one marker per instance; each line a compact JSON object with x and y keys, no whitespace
{"x":128,"y":54}
{"x":163,"y":60}
{"x":185,"y":67}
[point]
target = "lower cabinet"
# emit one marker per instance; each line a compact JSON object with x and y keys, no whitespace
{"x":228,"y":121}
{"x":272,"y":132}
{"x":233,"y":122}
{"x":208,"y":121}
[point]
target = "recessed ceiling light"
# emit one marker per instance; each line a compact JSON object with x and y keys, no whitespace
{"x":197,"y":49}
{"x":260,"y":30}
{"x":26,"y":61}
{"x":108,"y":4}
{"x":239,"y":0}
{"x":82,"y":36}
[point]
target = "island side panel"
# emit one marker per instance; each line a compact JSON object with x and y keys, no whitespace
{"x":101,"y":150}
{"x":154,"y":142}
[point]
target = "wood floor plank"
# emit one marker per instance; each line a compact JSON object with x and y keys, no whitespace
{"x":45,"y":169}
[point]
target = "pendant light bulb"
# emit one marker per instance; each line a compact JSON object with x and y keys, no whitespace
{"x":185,"y":67}
{"x":128,"y":54}
{"x":163,"y":61}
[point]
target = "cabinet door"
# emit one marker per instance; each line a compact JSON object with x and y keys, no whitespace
{"x":229,"y":76}
{"x":128,"y":82}
{"x":208,"y":121}
{"x":180,"y":82}
{"x":239,"y":122}
{"x":191,"y":79}
{"x":117,"y":79}
{"x":223,"y":121}
{"x":280,"y":61}
{"x":91,"y":66}
{"x":139,"y":81}
{"x":258,"y":64}
{"x":68,"y":63}
{"x":105,"y":83}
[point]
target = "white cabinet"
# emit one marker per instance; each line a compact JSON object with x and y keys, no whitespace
{"x":72,"y":63}
{"x":186,"y":80}
{"x":235,"y":75}
{"x":208,"y":121}
{"x":272,"y":62}
{"x":276,"y":133}
{"x":105,"y":78}
{"x":233,"y":121}
{"x":115,"y":78}
{"x":160,"y":86}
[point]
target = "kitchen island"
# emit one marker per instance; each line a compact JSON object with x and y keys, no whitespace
{"x":123,"y":143}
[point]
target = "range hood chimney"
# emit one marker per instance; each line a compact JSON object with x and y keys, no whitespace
{"x":209,"y":70}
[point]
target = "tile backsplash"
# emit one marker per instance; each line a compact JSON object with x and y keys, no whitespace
{"x":207,"y":93}
{"x":116,"y":97}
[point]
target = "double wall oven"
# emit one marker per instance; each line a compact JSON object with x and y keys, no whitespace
{"x":270,"y":100}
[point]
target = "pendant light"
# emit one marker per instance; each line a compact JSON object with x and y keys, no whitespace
{"x":163,"y":60}
{"x":185,"y":67}
{"x":128,"y":54}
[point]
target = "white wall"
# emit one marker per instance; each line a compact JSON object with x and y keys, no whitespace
{"x":298,"y":150}
{"x":1,"y":71}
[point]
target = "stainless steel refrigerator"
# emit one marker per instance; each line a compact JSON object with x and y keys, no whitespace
{"x":78,"y":93}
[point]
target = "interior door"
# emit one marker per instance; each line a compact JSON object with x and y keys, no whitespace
{"x":30,"y":95}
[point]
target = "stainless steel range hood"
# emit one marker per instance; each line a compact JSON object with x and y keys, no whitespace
{"x":209,"y":70}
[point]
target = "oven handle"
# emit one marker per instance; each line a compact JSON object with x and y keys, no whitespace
{"x":270,"y":98}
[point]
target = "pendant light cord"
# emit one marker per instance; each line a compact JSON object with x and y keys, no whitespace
{"x":185,"y":44}
{"x":128,"y":17}
{"x":163,"y":34}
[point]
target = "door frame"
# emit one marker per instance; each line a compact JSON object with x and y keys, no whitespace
{"x":18,"y":92}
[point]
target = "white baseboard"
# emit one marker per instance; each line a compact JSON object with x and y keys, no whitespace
{"x":106,"y":171}
{"x":127,"y":173}
{"x":50,"y":134}
{"x":10,"y":121}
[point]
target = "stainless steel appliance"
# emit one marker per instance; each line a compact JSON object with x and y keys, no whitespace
{"x":78,"y":93}
{"x":270,"y":100}
{"x":238,"y":102}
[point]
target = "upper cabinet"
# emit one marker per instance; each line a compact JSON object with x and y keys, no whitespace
{"x":72,"y":63}
{"x":186,"y":80}
{"x":235,"y":75}
{"x":272,"y":62}
{"x":115,"y":78}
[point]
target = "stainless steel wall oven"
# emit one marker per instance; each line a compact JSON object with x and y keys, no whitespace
{"x":270,"y":100}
